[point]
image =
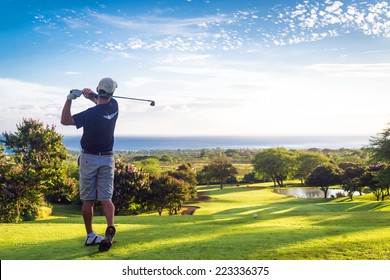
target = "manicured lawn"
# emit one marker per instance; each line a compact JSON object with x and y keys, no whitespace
{"x":222,"y":228}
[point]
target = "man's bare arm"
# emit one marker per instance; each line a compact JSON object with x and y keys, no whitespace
{"x":66,"y":116}
{"x":89,"y":94}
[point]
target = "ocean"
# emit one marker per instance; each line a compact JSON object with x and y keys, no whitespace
{"x":138,"y":143}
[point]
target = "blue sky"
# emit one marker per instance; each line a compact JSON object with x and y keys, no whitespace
{"x":213,"y":67}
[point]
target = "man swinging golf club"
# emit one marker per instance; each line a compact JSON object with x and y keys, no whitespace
{"x":96,"y":162}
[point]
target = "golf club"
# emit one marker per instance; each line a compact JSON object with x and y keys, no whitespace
{"x":152,"y":103}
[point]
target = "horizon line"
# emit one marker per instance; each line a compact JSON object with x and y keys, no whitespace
{"x":231,"y":135}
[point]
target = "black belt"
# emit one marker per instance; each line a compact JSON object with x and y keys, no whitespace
{"x":109,"y":153}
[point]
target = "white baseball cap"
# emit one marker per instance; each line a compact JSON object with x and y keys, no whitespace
{"x":108,"y":85}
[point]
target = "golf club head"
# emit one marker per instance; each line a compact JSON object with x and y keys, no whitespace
{"x":152,"y":103}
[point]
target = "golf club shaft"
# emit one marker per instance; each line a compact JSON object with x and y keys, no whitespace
{"x":131,"y":98}
{"x":152,"y":103}
{"x":78,"y":92}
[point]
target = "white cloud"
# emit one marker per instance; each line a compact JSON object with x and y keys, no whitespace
{"x":73,"y":73}
{"x":333,"y":18}
{"x":380,"y":70}
{"x":22,"y":99}
{"x":334,"y":7}
{"x":280,"y":25}
{"x":171,"y":59}
{"x":159,"y":25}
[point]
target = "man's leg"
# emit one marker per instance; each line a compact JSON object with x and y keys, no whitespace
{"x":105,"y":185}
{"x":88,"y":169}
{"x":87,"y":212}
{"x":109,"y":211}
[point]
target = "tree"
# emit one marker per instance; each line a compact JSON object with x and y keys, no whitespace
{"x":166,"y":158}
{"x":131,"y":188}
{"x":324,"y":176}
{"x":9,"y":210}
{"x":370,"y":179}
{"x":158,"y":194}
{"x":380,"y":146}
{"x":167,"y":192}
{"x":307,"y":162}
{"x":382,"y":188}
{"x":221,"y":169}
{"x":186,"y":173}
{"x":380,"y":150}
{"x":63,"y":191}
{"x":150,"y":165}
{"x":277,"y":163}
{"x":204,"y":176}
{"x":178,"y":191}
{"x":38,"y":160}
{"x":250,"y":178}
{"x":351,"y":179}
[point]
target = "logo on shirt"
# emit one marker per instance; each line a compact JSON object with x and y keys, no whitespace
{"x":109,"y":117}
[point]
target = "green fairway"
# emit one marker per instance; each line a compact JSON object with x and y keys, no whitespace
{"x":222,"y":228}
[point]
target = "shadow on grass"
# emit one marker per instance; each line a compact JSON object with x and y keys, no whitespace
{"x":227,"y":189}
{"x":227,"y":237}
{"x":64,"y":249}
{"x":310,"y":205}
{"x":324,"y":227}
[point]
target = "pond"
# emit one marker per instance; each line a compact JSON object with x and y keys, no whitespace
{"x":312,"y":192}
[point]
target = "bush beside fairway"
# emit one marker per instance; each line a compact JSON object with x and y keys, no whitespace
{"x":222,"y":228}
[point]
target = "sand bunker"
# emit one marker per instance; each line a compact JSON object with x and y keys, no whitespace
{"x":189,"y":209}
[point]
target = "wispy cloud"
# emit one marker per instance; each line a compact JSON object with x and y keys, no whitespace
{"x":248,"y":28}
{"x":159,"y":25}
{"x":23,"y":99}
{"x":73,"y":73}
{"x":312,"y":21}
{"x":380,"y":70}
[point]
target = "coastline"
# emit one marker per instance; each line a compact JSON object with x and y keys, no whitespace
{"x":138,"y":143}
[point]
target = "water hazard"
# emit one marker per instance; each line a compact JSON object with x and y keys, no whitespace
{"x":312,"y":192}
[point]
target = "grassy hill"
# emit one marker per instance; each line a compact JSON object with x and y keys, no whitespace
{"x":223,"y":227}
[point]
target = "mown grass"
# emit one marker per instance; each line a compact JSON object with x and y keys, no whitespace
{"x":222,"y":228}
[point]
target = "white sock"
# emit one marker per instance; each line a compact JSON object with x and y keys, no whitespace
{"x":91,"y":234}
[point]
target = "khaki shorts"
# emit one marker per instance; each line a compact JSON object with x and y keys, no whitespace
{"x":96,"y":177}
